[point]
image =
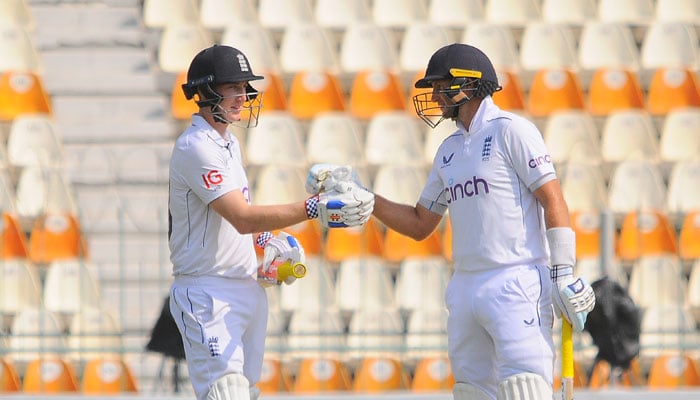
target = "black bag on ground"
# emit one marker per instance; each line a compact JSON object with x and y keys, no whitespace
{"x":165,"y":337}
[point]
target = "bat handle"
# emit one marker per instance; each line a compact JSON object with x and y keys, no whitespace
{"x":567,"y":361}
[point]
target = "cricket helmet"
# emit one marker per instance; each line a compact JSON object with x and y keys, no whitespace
{"x":470,"y":72}
{"x":218,"y":65}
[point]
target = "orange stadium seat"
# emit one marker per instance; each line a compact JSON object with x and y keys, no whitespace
{"x":613,"y":89}
{"x":380,"y":374}
{"x":274,"y":377}
{"x":645,"y":233}
{"x":21,"y":93}
{"x":689,"y":236}
{"x":358,"y":241}
{"x":552,"y":90}
{"x":375,"y":91}
{"x":586,"y":225}
{"x":432,"y":374}
{"x":672,"y":371}
{"x":413,"y":91}
{"x":321,"y":374}
{"x":12,"y":239}
{"x":672,"y":88}
{"x":180,"y":107}
{"x":397,"y":246}
{"x":9,"y":378}
{"x":580,"y":378}
{"x":314,"y":92}
{"x":447,"y":240}
{"x":601,"y":376}
{"x":61,"y":379}
{"x":511,"y":96}
{"x":56,"y":236}
{"x":107,"y":376}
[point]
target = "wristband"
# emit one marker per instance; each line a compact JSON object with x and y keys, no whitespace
{"x":562,"y":246}
{"x":263,"y":238}
{"x":311,"y":207}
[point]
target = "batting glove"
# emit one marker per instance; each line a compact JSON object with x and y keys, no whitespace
{"x":283,"y":247}
{"x":345,"y":204}
{"x":323,"y":177}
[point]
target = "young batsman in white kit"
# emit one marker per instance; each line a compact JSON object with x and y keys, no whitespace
{"x":509,"y":224}
{"x":216,"y":301}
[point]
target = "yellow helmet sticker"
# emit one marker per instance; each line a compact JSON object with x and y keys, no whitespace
{"x":465,"y":73}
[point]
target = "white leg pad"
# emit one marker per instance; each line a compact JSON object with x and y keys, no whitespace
{"x":230,"y":387}
{"x":524,"y":387}
{"x":254,"y":393}
{"x":465,"y":391}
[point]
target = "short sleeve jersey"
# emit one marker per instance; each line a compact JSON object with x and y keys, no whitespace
{"x":204,"y":166}
{"x":485,"y":179}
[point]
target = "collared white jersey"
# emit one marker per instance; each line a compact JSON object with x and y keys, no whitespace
{"x":485,"y":178}
{"x":204,"y":166}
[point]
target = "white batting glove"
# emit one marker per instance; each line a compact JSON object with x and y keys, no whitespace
{"x":345,"y":204}
{"x":283,"y":247}
{"x":323,"y":177}
{"x":573,"y":297}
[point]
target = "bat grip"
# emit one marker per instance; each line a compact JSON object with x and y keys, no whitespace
{"x":567,"y":361}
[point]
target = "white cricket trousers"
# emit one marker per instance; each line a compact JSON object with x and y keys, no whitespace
{"x":223,"y":323}
{"x":500,"y":324}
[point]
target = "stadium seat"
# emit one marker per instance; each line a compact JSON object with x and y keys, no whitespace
{"x":338,"y":15}
{"x":432,"y":374}
{"x":398,"y":14}
{"x":344,"y":146}
{"x":571,"y":12}
{"x":547,"y":45}
{"x":219,"y":14}
{"x":70,"y":286}
{"x":321,"y":374}
{"x":613,"y":89}
{"x":315,"y":332}
{"x":671,"y":89}
{"x":307,"y":47}
{"x":380,"y":374}
{"x":9,"y":377}
{"x":426,"y":333}
{"x":34,"y":141}
{"x":40,"y":191}
{"x":603,"y":377}
{"x":646,"y":233}
{"x":93,"y":331}
{"x":586,"y":226}
{"x":683,"y":183}
{"x":673,"y":371}
{"x":455,"y":13}
{"x":56,"y":236}
{"x":497,"y":41}
{"x":7,"y":191}
{"x":316,"y":290}
{"x":398,"y":247}
{"x":278,"y":15}
{"x":36,"y":333}
{"x":20,"y":286}
{"x":16,"y":12}
{"x":18,"y":49}
{"x":511,"y":97}
{"x":363,"y":283}
{"x":421,"y":283}
{"x":394,"y":138}
{"x":447,"y":240}
{"x":275,"y":376}
{"x":572,"y":135}
{"x":375,"y":332}
{"x":420,"y":40}
{"x":367,"y":46}
{"x":689,"y":236}
{"x":434,"y":138}
{"x":679,"y":139}
{"x":314,"y":92}
{"x":108,"y":375}
{"x":179,"y":43}
{"x":685,"y":11}
{"x":629,"y":133}
{"x":278,"y":184}
{"x":180,"y":107}
{"x":374,"y":92}
{"x":22,"y":93}
{"x":607,"y":45}
{"x":399,"y":183}
{"x":256,"y":42}
{"x":157,"y":14}
{"x":657,"y":281}
{"x":693,"y":296}
{"x":636,"y":184}
{"x":357,"y":241}
{"x":278,"y":139}
{"x":669,"y":44}
{"x":632,"y":12}
{"x":515,"y":13}
{"x":12,"y":238}
{"x":62,"y":379}
{"x":591,"y":268}
{"x":553,"y":90}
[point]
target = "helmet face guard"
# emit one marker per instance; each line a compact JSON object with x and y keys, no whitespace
{"x":249,"y":111}
{"x":464,"y":82}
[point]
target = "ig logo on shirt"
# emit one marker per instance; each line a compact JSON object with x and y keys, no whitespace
{"x":212,"y":179}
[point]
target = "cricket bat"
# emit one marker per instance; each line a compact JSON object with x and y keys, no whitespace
{"x":567,"y":361}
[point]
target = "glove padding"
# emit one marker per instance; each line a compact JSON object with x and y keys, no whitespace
{"x":324,"y":177}
{"x":283,"y":247}
{"x":347,"y":204}
{"x":572,"y":296}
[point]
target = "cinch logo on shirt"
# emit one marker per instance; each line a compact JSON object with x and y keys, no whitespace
{"x":539,"y":160}
{"x":212,"y":178}
{"x":471,"y":187}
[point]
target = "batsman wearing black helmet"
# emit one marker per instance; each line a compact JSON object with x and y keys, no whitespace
{"x":216,"y":301}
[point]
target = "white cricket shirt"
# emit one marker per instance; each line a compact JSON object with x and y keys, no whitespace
{"x":485,"y":178}
{"x":203,"y":167}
